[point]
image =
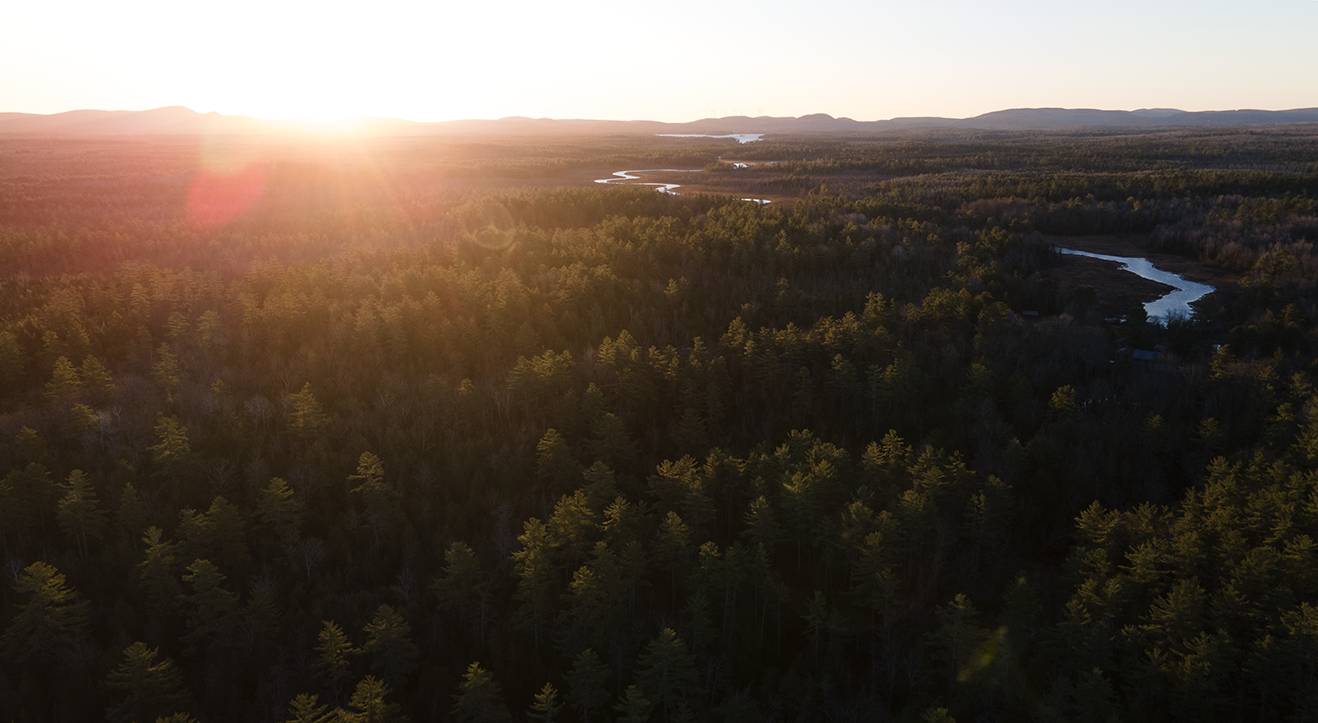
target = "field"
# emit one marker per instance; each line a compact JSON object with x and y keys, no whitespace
{"x":302,"y":427}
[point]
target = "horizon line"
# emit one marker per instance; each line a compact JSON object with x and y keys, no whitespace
{"x":370,"y":117}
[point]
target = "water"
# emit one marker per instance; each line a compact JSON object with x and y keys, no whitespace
{"x":668,"y":188}
{"x":740,"y":137}
{"x":1175,"y":303}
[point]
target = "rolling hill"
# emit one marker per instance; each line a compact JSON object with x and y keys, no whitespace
{"x":176,"y":120}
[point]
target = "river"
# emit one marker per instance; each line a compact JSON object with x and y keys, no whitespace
{"x":739,"y":137}
{"x":1176,"y":303}
{"x":631,"y":179}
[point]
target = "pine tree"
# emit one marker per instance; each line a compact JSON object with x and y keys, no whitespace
{"x":177,"y":718}
{"x":211,"y":607}
{"x":172,"y":445}
{"x":555,"y":466}
{"x":570,"y":527}
{"x":96,"y":379}
{"x":79,"y":512}
{"x":51,"y":620}
{"x":150,"y":685}
{"x":65,"y":385}
{"x":370,"y":702}
{"x":546,"y":706}
{"x":936,"y":715}
{"x":306,"y":417}
{"x":379,"y":499}
{"x":583,"y":622}
{"x":279,"y":511}
{"x":667,"y":674}
{"x":601,"y":485}
{"x":334,"y":653}
{"x":166,"y":371}
{"x":307,"y":708}
{"x":956,"y":637}
{"x":389,"y":645}
{"x":29,"y":446}
{"x":158,"y":571}
{"x":463,"y":587}
{"x":633,"y":706}
{"x":588,"y":685}
{"x":673,"y":547}
{"x":535,"y":576}
{"x":479,"y":698}
{"x":610,"y":441}
{"x":223,"y":537}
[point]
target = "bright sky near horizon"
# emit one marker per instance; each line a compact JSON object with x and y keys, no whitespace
{"x":674,"y":60}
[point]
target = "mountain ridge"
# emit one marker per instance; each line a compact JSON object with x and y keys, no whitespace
{"x":179,"y":120}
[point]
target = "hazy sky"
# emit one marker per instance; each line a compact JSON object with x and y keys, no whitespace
{"x":673,"y":60}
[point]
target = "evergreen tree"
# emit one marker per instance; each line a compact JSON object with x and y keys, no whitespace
{"x":667,"y":675}
{"x":306,"y":417}
{"x":588,"y":685}
{"x":279,"y":511}
{"x":167,"y":372}
{"x":172,"y":446}
{"x":463,"y":586}
{"x":389,"y":645}
{"x":555,"y":465}
{"x":370,"y":702}
{"x":158,"y":572}
{"x":380,"y":500}
{"x":334,"y":653}
{"x":211,"y":607}
{"x":65,"y":385}
{"x":96,"y":379}
{"x":633,"y":706}
{"x":150,"y":685}
{"x":479,"y":699}
{"x":307,"y":708}
{"x":79,"y":512}
{"x":51,"y":619}
{"x":546,"y":706}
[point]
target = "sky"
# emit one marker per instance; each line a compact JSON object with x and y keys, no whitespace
{"x":672,"y":61}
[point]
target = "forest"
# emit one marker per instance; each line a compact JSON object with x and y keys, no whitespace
{"x":337,"y":431}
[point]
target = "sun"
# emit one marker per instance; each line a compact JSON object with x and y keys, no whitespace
{"x":314,"y":112}
{"x":327,"y":114}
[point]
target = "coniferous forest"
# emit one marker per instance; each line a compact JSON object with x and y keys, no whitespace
{"x":437,"y":429}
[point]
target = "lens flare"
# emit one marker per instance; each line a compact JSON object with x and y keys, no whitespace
{"x":228,"y":182}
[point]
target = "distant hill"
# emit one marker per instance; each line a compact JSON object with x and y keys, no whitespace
{"x":177,"y":120}
{"x":171,"y":120}
{"x":1063,"y":118}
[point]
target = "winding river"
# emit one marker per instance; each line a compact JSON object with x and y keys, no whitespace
{"x":631,"y":179}
{"x":668,"y":188}
{"x":1176,"y":303}
{"x":739,"y":137}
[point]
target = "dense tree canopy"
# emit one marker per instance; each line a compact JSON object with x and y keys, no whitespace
{"x":382,"y":447}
